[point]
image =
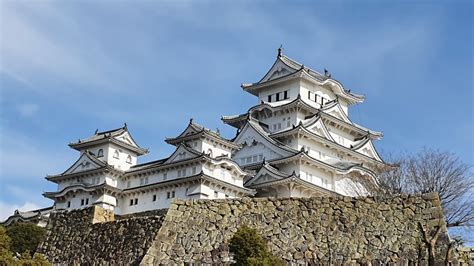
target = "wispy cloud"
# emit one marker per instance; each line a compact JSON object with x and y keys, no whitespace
{"x":28,"y":109}
{"x":41,"y":43}
{"x":21,"y":157}
{"x":7,"y":209}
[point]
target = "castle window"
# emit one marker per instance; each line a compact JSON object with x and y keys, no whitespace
{"x":254,"y":158}
{"x":116,"y":154}
{"x":129,"y":159}
{"x":209,"y":151}
{"x":136,"y":201}
{"x":69,"y":204}
{"x":269,"y":98}
{"x":341,"y":140}
{"x":154,"y":197}
{"x":277,"y":97}
{"x":87,"y":201}
{"x":131,"y":202}
{"x":100,"y":153}
{"x":216,"y":194}
{"x":82,"y":202}
{"x":285,"y":95}
{"x":170,"y":194}
{"x":309,"y":177}
{"x":309,"y":95}
{"x":324,"y":182}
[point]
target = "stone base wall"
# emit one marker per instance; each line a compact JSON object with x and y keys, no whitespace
{"x":307,"y":230}
{"x":72,"y":238}
{"x":319,"y":230}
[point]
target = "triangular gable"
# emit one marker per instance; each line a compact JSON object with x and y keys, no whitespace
{"x":318,"y":127}
{"x":189,"y":130}
{"x":337,"y":112}
{"x":278,"y":70}
{"x":84,"y":163}
{"x":182,"y":153}
{"x":369,"y":149}
{"x":125,"y":137}
{"x":251,"y":136}
{"x":264,"y":175}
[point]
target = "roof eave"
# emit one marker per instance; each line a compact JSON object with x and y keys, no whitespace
{"x":82,"y":145}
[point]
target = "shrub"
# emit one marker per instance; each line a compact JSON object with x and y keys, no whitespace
{"x":249,"y":248}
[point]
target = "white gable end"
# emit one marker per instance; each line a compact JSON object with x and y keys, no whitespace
{"x":126,"y":138}
{"x":369,"y":150}
{"x":263,"y":176}
{"x":320,"y":129}
{"x":278,"y":70}
{"x":254,"y":144}
{"x":181,"y":153}
{"x":83,"y":164}
{"x":337,"y":112}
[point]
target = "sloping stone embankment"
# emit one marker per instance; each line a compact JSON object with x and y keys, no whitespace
{"x":308,"y":230}
{"x":72,"y":239}
{"x":321,"y":230}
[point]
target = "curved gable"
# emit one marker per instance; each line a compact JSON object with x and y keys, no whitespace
{"x":278,"y":70}
{"x":266,"y":174}
{"x":182,"y":153}
{"x":85,"y":162}
{"x":316,"y":125}
{"x":256,"y":141}
{"x":336,"y":111}
{"x":367,"y":148}
{"x":125,"y":137}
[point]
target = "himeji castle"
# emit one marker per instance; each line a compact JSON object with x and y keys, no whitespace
{"x":297,"y":141}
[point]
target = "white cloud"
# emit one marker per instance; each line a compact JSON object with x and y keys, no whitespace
{"x":22,"y":157}
{"x":27,"y":109}
{"x":32,"y":50}
{"x":7,"y":209}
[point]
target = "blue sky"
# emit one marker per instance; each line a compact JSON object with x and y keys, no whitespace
{"x":69,"y":67}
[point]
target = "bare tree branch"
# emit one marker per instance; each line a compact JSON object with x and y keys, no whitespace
{"x":424,"y":172}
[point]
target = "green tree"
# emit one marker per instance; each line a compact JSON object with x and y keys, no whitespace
{"x":37,"y":260}
{"x":25,"y":237}
{"x":249,"y":248}
{"x":6,"y":257}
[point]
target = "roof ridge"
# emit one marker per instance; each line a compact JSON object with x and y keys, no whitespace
{"x":124,"y":127}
